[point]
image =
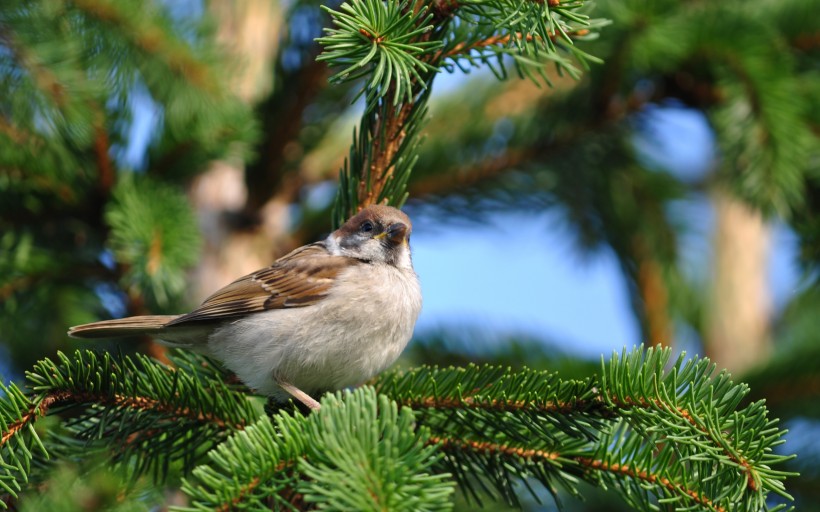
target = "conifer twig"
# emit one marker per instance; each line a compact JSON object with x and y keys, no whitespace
{"x":595,"y":406}
{"x":590,"y":463}
{"x":236,"y":500}
{"x":43,"y":77}
{"x":549,"y":407}
{"x":153,"y":40}
{"x":447,"y":7}
{"x":36,"y":410}
{"x":385,"y":149}
{"x":41,"y":407}
{"x":640,"y":474}
{"x":688,"y":417}
{"x":501,"y":40}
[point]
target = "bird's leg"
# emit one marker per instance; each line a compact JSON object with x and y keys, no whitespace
{"x":300,"y":395}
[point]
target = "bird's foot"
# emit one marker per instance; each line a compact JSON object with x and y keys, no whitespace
{"x":300,"y":395}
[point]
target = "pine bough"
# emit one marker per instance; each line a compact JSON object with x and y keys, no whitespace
{"x":659,"y":435}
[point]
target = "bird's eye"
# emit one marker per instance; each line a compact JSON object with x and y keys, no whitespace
{"x":367,"y":226}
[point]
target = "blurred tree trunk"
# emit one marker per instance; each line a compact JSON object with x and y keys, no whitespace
{"x":653,"y":307}
{"x":249,"y":30}
{"x":738,"y":319}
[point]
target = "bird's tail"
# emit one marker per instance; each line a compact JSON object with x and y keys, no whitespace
{"x":133,"y":326}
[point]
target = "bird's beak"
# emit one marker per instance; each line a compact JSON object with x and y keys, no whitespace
{"x":396,"y":233}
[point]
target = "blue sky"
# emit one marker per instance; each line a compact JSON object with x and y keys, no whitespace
{"x":521,"y":272}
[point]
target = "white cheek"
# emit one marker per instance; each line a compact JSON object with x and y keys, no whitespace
{"x":371,"y":250}
{"x":404,"y":260}
{"x":332,"y":244}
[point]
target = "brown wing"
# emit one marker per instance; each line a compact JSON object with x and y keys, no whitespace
{"x":299,"y":279}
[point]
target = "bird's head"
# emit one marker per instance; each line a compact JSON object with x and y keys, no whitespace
{"x":378,"y":234}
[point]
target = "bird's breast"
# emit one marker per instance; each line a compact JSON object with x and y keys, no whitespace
{"x":357,"y":331}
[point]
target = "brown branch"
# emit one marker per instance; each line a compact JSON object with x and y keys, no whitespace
{"x":548,"y":407}
{"x":293,"y":497}
{"x":105,"y":168}
{"x":388,"y":133}
{"x":445,"y":8}
{"x":807,"y":41}
{"x":491,"y":448}
{"x":640,"y":474}
{"x":683,"y":413}
{"x":596,"y":405}
{"x":140,"y":403}
{"x":455,"y":179}
{"x":590,"y":463}
{"x":150,"y":404}
{"x":247,"y":489}
{"x":31,"y":416}
{"x":501,"y":40}
{"x":472,"y":175}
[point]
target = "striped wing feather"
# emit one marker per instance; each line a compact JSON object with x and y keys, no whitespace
{"x":299,"y":279}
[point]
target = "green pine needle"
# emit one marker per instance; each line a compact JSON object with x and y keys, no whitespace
{"x":652,"y":431}
{"x":382,"y":40}
{"x":359,"y":452}
{"x":155,"y":233}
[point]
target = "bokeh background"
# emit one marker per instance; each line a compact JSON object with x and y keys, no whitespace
{"x":151,"y":153}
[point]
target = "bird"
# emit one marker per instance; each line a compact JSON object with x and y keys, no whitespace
{"x":328,"y":315}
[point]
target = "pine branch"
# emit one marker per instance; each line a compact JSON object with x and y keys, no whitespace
{"x":398,"y":46}
{"x":71,"y":71}
{"x":141,"y":411}
{"x":499,"y":40}
{"x":359,"y":452}
{"x":151,"y":39}
{"x":251,"y":468}
{"x":447,"y":7}
{"x":153,"y":235}
{"x":389,"y":41}
{"x":638,"y":423}
{"x":397,"y":53}
{"x":641,"y":428}
{"x":45,"y":79}
{"x":516,"y":455}
{"x":381,"y":158}
{"x":18,"y":440}
{"x":35,"y":410}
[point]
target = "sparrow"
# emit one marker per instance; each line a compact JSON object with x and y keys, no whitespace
{"x":326,"y":316}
